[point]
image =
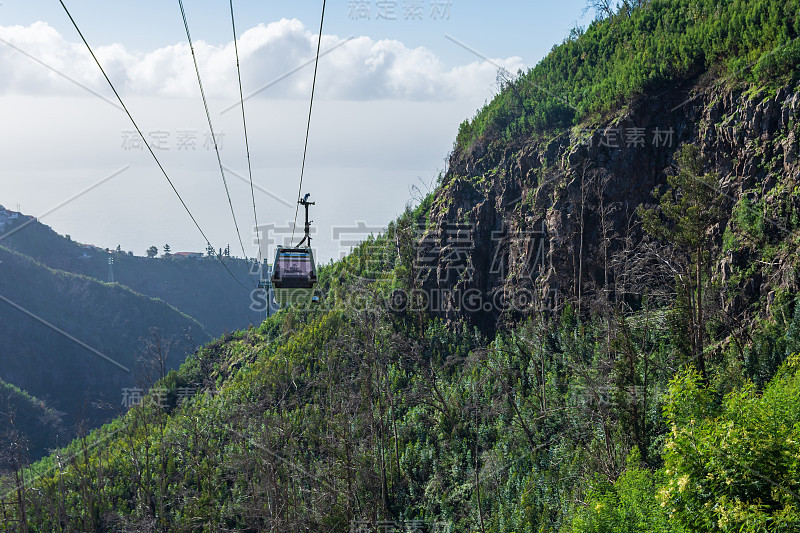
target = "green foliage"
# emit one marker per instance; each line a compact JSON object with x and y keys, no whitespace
{"x":322,"y":409}
{"x":737,"y":471}
{"x":629,"y":505}
{"x":690,"y":207}
{"x":613,"y":60}
{"x":727,"y":467}
{"x":779,"y":61}
{"x":772,"y":343}
{"x":748,"y":220}
{"x":683,"y":218}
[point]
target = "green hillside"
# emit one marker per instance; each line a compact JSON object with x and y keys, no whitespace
{"x":649,"y":380}
{"x":28,"y":423}
{"x":75,"y":342}
{"x":202,"y":289}
{"x":643,"y":51}
{"x":322,"y":420}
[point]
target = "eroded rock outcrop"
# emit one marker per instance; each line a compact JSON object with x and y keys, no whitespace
{"x":522,"y":228}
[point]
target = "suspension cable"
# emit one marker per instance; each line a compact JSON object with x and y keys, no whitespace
{"x":211,"y":127}
{"x":308,"y":124}
{"x":149,"y":148}
{"x":244,"y":124}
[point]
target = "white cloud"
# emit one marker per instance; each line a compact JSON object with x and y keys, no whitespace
{"x":359,"y":69}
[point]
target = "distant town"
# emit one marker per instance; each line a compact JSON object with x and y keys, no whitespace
{"x":7,"y":217}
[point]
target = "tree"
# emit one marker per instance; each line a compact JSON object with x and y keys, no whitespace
{"x":167,"y":250}
{"x":152,"y":252}
{"x":683,"y":218}
{"x":14,"y":455}
{"x":602,"y":8}
{"x":119,"y":249}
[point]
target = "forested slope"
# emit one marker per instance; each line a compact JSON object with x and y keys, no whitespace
{"x":567,"y":335}
{"x":76,"y":343}
{"x":36,"y":426}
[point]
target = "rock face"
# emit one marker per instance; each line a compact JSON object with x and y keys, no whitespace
{"x":525,"y":227}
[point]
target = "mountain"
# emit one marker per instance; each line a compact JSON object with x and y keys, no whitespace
{"x":590,"y":325}
{"x":573,"y":196}
{"x":202,"y":288}
{"x":76,"y":343}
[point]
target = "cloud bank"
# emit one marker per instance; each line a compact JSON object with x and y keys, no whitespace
{"x":357,"y":69}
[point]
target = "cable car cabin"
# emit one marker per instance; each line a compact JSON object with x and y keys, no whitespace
{"x":294,"y":276}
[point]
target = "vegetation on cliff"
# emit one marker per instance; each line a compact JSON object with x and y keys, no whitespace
{"x":642,"y":50}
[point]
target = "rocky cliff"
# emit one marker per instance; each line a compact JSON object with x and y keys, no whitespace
{"x":526,"y":227}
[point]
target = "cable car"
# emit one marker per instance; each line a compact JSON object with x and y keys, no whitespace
{"x":294,"y":273}
{"x":294,"y":276}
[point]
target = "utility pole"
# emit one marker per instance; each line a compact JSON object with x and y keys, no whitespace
{"x":266,"y":284}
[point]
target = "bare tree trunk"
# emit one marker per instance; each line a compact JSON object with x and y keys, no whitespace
{"x":477,"y":473}
{"x":19,"y":478}
{"x":699,"y":303}
{"x":62,"y":514}
{"x":604,"y":212}
{"x":580,"y":248}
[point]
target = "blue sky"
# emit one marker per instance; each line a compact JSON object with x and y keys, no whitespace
{"x":389,"y":106}
{"x":524,"y":28}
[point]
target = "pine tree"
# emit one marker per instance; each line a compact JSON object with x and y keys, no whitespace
{"x":683,"y":218}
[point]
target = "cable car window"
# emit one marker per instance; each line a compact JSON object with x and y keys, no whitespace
{"x":294,"y":265}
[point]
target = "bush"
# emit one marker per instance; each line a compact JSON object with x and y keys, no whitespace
{"x":740,"y":470}
{"x":627,"y":506}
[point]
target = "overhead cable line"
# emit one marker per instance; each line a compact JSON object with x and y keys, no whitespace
{"x":211,"y":127}
{"x":149,"y":148}
{"x":244,"y":124}
{"x":308,"y":124}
